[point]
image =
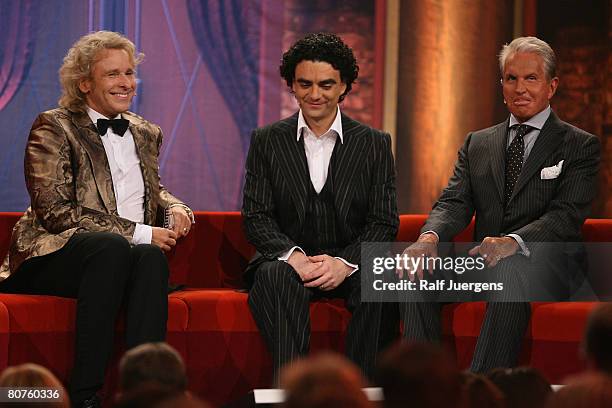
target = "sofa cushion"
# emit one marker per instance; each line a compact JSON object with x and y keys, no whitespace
{"x":41,"y":330}
{"x":214,"y":254}
{"x":7,"y":221}
{"x":4,"y":336}
{"x":223,"y":341}
{"x":557,"y":330}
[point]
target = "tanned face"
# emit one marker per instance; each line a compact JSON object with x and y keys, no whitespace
{"x":112,"y":85}
{"x":526,"y":86}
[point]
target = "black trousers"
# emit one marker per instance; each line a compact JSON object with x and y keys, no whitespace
{"x":279,"y":302}
{"x":103,"y":272}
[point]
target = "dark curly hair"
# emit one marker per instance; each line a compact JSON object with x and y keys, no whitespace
{"x":324,"y":47}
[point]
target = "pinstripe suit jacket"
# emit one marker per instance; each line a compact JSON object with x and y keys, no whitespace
{"x":278,"y":183}
{"x":539,"y":210}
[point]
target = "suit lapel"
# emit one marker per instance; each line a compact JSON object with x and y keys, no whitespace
{"x":547,"y":142}
{"x":293,"y":164}
{"x":497,"y":150}
{"x":348,"y":158}
{"x":91,"y":142}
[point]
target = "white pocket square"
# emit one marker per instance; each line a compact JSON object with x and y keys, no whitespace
{"x":549,"y":173}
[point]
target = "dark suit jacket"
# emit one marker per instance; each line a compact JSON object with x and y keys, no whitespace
{"x":539,"y":210}
{"x":278,"y":182}
{"x":70,"y":184}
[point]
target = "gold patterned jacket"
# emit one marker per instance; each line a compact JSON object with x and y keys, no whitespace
{"x":71,"y":188}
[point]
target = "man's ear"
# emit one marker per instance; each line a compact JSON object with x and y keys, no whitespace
{"x":85,"y":86}
{"x":554,"y":83}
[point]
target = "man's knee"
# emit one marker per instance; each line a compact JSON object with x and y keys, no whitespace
{"x":150,"y":260}
{"x":275,"y":272}
{"x":509,"y":312}
{"x":147,"y":251}
{"x":107,"y":246}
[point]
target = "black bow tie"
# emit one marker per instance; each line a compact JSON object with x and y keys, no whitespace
{"x":119,"y":126}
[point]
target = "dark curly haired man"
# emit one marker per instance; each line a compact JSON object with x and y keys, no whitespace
{"x":317,"y":185}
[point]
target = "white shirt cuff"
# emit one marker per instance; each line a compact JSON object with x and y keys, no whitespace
{"x":288,"y":254}
{"x":524,"y":250}
{"x":350,"y":265}
{"x":142,"y":234}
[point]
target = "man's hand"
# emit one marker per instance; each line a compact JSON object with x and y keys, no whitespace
{"x":425,"y":246}
{"x":302,"y":264}
{"x":182,"y":222}
{"x":163,"y":238}
{"x":329,"y":275}
{"x":494,"y":249}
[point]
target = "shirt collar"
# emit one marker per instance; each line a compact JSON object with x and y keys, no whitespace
{"x":536,"y":121}
{"x":336,"y":125}
{"x":95,"y":115}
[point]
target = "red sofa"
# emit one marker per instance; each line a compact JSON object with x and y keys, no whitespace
{"x":212,"y":328}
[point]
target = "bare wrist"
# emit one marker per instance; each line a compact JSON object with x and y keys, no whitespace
{"x":296,"y":257}
{"x":428,"y":237}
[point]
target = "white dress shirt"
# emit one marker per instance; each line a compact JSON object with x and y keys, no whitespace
{"x":319,"y":150}
{"x":128,"y":183}
{"x":536,"y":122}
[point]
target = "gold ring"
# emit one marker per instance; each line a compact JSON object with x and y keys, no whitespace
{"x":185,"y":229}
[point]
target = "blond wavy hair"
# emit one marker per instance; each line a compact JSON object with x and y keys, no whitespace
{"x":80,"y":59}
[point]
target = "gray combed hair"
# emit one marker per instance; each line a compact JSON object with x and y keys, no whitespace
{"x":533,"y":45}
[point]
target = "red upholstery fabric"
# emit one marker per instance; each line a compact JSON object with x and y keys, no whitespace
{"x":597,"y":230}
{"x":40,"y":329}
{"x":213,"y":329}
{"x":410,"y":227}
{"x":223,"y":342}
{"x":7,"y":221}
{"x":557,"y":330}
{"x":4,"y":335}
{"x":593,"y":230}
{"x":214,"y":254}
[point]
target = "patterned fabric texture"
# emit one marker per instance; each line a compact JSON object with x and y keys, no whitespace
{"x":70,"y":184}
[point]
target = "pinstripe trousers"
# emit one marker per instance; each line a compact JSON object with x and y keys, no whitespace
{"x":279,"y":303}
{"x":503,"y":328}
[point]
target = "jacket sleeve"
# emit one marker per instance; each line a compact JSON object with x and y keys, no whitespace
{"x":165,"y":199}
{"x":258,"y":207}
{"x":382,"y":220}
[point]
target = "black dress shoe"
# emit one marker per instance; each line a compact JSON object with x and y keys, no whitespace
{"x":93,"y":402}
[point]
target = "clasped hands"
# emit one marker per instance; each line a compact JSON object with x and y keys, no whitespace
{"x":166,"y":238}
{"x":321,"y":271}
{"x":491,"y":249}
